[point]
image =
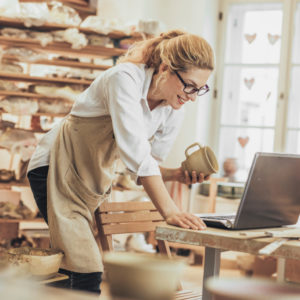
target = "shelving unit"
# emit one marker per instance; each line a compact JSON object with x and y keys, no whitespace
{"x":61,"y":48}
{"x":91,"y":53}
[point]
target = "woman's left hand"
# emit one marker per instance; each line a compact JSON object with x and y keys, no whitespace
{"x":186,"y":220}
{"x":184,"y":177}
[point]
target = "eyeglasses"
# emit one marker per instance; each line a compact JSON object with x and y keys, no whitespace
{"x":190,"y":89}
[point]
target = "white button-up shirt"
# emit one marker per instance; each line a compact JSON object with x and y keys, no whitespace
{"x":143,"y":137}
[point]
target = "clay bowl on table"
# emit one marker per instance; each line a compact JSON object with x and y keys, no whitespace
{"x":142,"y":276}
{"x":41,"y":263}
{"x":251,"y":289}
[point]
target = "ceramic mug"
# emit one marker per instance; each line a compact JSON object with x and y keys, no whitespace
{"x":202,"y":161}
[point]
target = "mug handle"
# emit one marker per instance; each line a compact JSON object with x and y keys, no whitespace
{"x":189,"y":147}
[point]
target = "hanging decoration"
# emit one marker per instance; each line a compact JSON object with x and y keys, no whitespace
{"x":243,"y":141}
{"x":273,"y":38}
{"x":249,"y":82}
{"x":250,"y":37}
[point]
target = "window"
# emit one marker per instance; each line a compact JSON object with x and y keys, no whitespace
{"x":293,"y":118}
{"x":259,"y":107}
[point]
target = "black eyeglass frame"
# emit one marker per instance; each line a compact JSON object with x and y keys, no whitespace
{"x":200,"y":92}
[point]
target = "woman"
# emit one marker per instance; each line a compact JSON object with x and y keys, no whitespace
{"x":132,"y":111}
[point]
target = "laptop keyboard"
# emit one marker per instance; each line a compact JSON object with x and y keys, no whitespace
{"x":227,"y":217}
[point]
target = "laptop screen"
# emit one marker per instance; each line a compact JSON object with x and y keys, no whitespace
{"x":272,"y":193}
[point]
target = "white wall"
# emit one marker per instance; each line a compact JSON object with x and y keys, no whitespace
{"x":195,"y":16}
{"x":124,"y":10}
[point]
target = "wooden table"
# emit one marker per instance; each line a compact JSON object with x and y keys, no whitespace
{"x":217,"y":240}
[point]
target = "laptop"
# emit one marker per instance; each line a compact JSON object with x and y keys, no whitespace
{"x":271,"y":197}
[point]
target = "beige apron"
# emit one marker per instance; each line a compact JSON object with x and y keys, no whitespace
{"x":80,"y":175}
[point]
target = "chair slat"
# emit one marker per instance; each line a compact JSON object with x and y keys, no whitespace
{"x":130,"y":217}
{"x":187,"y":295}
{"x":132,"y":227}
{"x":126,"y":206}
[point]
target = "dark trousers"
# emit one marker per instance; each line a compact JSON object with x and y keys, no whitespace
{"x":89,"y":282}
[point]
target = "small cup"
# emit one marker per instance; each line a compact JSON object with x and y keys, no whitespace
{"x":202,"y":161}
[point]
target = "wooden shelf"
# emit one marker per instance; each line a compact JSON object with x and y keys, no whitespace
{"x":121,"y":189}
{"x":30,"y":95}
{"x":57,"y":62}
{"x":4,"y":220}
{"x":37,"y":114}
{"x":63,"y":48}
{"x":8,"y":185}
{"x":18,"y":23}
{"x":82,"y":9}
{"x":32,"y":130}
{"x":47,"y":115}
{"x":27,"y":78}
{"x":78,"y":2}
{"x":24,"y":129}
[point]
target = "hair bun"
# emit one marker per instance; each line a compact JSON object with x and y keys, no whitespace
{"x":171,"y":34}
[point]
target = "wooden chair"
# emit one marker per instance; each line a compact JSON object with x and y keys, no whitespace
{"x":132,"y":217}
{"x":127,"y":217}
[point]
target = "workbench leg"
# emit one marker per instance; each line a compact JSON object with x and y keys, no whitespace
{"x":211,"y":268}
{"x":280,"y":269}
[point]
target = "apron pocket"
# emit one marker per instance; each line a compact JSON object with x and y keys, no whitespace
{"x":79,"y":188}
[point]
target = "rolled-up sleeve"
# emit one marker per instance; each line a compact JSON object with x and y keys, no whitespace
{"x":165,"y":136}
{"x":124,"y":105}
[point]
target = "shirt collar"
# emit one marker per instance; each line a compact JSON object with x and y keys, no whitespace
{"x":148,"y":77}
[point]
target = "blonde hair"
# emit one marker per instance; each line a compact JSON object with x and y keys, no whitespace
{"x":177,"y":49}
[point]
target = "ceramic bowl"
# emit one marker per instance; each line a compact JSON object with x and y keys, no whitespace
{"x":251,"y":289}
{"x":142,"y":276}
{"x":35,"y":261}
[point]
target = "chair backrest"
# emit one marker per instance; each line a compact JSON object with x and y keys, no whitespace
{"x":125,"y":217}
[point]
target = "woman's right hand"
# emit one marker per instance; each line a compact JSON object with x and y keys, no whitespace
{"x":186,"y":220}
